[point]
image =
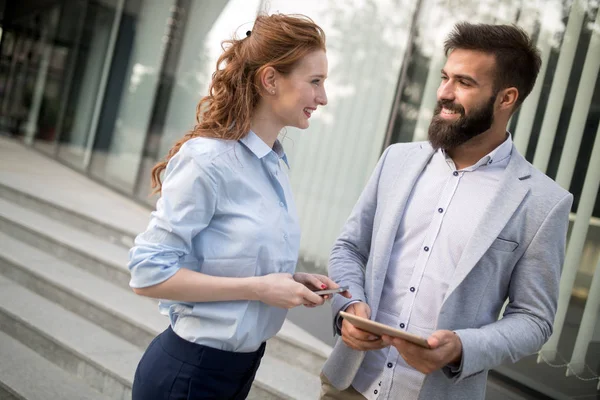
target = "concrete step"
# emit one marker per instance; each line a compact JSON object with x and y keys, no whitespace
{"x":275,"y":373}
{"x":102,"y":360}
{"x":68,"y":216}
{"x":118,"y":310}
{"x":106,"y":362}
{"x":30,"y":376}
{"x":103,"y":259}
{"x":295,"y":346}
{"x":29,"y":171}
{"x":7,"y":394}
{"x":128,"y":315}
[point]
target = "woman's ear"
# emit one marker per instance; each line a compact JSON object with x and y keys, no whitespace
{"x":268,"y":76}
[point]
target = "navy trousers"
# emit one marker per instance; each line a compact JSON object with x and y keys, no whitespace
{"x":174,"y":369}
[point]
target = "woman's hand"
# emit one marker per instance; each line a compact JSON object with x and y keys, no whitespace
{"x":318,"y":282}
{"x":281,"y":290}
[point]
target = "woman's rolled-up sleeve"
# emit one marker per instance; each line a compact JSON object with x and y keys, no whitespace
{"x":186,"y":207}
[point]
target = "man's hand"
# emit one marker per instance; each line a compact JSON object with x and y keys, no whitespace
{"x":358,"y":339}
{"x":446,"y":348}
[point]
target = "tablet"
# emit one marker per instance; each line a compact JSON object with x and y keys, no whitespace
{"x":379,"y":329}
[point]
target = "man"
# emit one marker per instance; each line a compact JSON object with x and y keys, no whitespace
{"x":445,"y":232}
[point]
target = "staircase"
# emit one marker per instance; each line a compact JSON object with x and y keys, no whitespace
{"x":69,"y":324}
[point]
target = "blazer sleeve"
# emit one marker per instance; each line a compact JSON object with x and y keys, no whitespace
{"x":533,"y":295}
{"x":348,"y":259}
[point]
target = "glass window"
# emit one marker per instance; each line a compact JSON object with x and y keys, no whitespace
{"x":130,"y":92}
{"x":332,"y":160}
{"x":86,"y":88}
{"x":195,"y":45}
{"x":58,"y":75}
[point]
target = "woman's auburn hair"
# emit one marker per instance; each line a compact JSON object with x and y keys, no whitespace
{"x":279,"y":41}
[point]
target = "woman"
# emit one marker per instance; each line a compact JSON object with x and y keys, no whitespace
{"x":222,"y":245}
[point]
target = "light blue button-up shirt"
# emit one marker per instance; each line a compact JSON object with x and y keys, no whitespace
{"x":226,"y":209}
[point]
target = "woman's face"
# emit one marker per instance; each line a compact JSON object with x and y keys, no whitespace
{"x":300,"y":92}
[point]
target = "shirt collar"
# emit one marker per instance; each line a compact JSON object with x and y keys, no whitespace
{"x":260,"y":149}
{"x":499,"y":154}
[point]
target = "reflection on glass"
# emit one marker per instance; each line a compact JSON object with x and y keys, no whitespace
{"x":130,"y":93}
{"x":85,"y":86}
{"x":18,"y":57}
{"x":208,"y":24}
{"x":187,"y":72}
{"x":59,"y":72}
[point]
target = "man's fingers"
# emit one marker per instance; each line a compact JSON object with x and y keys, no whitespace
{"x":440,"y":338}
{"x":356,"y":333}
{"x":434,"y":342}
{"x":363,"y":345}
{"x":361,"y":310}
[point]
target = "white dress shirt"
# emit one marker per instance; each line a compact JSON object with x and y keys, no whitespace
{"x":441,"y":214}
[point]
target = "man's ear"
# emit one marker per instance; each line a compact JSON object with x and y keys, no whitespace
{"x":268,"y":76}
{"x":508,"y":98}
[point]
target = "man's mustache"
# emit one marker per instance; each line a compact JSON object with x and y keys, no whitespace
{"x":449,"y":105}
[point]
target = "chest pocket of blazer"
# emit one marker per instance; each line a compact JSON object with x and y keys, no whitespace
{"x":504,"y":245}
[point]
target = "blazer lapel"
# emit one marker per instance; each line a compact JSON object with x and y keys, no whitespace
{"x":393,"y":208}
{"x":510,"y":195}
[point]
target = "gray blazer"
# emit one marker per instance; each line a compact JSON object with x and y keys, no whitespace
{"x":516,"y":251}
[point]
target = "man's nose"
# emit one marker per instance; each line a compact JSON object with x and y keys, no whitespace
{"x":445,"y":91}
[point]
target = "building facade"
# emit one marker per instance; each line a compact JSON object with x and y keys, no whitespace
{"x":107,"y":86}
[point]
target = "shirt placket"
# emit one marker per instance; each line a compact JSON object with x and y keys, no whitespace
{"x":274,"y":168}
{"x":403,"y":321}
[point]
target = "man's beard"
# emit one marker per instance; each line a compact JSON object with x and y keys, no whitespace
{"x":450,"y":134}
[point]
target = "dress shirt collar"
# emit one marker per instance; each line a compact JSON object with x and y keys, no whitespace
{"x":499,"y":154}
{"x":260,"y":149}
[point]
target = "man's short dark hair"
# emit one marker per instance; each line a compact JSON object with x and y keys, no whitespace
{"x":517,"y":59}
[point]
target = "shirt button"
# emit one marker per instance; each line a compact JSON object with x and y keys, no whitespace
{"x":281,"y":203}
{"x":375,"y":391}
{"x":440,"y":210}
{"x":401,"y":326}
{"x":412,"y":289}
{"x":426,"y":248}
{"x":390,"y":365}
{"x":285,"y":236}
{"x":455,"y":173}
{"x":379,"y":383}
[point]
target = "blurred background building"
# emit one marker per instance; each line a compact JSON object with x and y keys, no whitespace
{"x":107,"y":86}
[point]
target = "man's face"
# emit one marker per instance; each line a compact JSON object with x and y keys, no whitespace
{"x":466,"y":99}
